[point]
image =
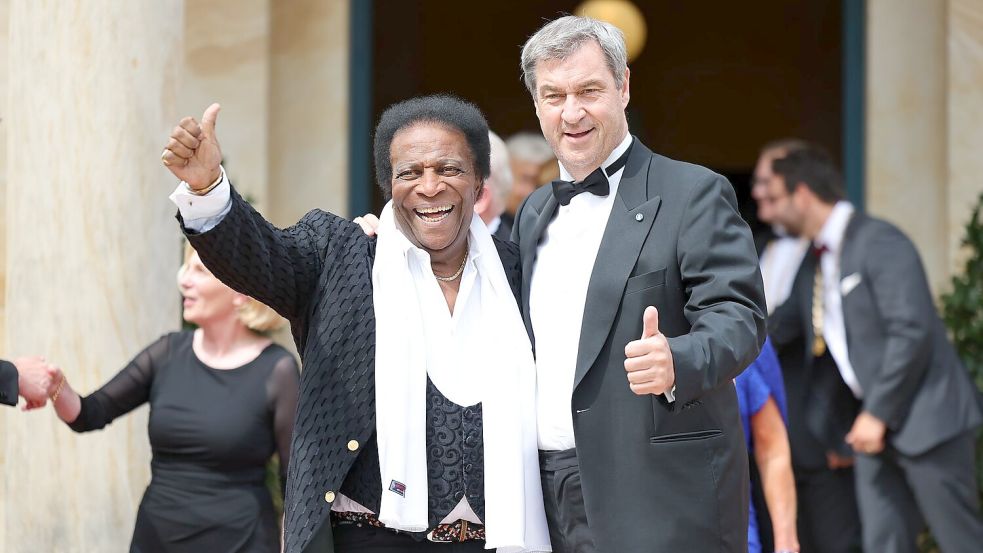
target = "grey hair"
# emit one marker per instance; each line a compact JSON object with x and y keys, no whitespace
{"x":530,"y":146}
{"x":560,"y":38}
{"x":500,"y":177}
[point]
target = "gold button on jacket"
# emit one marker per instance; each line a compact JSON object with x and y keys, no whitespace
{"x":329,"y":497}
{"x":353,"y":445}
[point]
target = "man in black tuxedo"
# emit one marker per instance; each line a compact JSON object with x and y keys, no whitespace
{"x":872,"y":314}
{"x":644,"y":301}
{"x":29,"y":377}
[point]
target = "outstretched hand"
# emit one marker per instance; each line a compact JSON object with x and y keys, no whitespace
{"x":649,"y":360}
{"x":193,"y":153}
{"x":36,"y":380}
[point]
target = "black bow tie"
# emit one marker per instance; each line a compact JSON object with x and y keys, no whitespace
{"x":596,"y":183}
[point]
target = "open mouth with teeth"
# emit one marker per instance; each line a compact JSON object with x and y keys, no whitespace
{"x":433,"y":214}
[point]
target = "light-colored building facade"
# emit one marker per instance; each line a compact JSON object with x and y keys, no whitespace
{"x":89,"y":91}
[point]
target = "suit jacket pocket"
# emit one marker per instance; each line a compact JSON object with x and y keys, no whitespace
{"x":645,"y":281}
{"x":685,"y":436}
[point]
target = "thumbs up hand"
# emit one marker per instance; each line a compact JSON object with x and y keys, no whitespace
{"x":649,"y":360}
{"x":193,"y":153}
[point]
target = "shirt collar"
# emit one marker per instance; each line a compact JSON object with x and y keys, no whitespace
{"x":831,"y":235}
{"x":494,"y":224}
{"x":615,"y":154}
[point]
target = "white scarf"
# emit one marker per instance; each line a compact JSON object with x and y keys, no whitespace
{"x":488,"y":359}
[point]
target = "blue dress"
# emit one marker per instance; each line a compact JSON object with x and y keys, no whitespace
{"x":761,"y":380}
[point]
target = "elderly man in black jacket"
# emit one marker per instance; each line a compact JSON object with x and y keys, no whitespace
{"x":389,"y":385}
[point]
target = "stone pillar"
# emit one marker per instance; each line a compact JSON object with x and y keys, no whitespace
{"x":308,"y":140}
{"x":4,"y":110}
{"x":92,"y":250}
{"x":907,"y":166}
{"x":965,"y":116}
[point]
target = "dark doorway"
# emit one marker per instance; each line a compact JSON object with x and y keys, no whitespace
{"x":716,"y":80}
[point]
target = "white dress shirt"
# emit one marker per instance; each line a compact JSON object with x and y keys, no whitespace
{"x":202,"y":213}
{"x":557,"y":295}
{"x":834,"y":329}
{"x":779,"y":263}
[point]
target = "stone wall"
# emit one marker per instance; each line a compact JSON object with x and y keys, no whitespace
{"x":90,"y":248}
{"x":925,"y":122}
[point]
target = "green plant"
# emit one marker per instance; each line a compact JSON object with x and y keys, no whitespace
{"x":962,"y":310}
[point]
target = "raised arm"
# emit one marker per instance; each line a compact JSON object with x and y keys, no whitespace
{"x":278,"y":267}
{"x":126,"y":391}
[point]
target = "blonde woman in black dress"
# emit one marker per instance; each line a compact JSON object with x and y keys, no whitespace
{"x":222,"y":401}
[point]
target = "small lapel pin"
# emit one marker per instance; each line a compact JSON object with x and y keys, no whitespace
{"x":639,"y":217}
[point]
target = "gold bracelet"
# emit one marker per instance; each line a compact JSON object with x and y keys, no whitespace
{"x":61,"y":386}
{"x":207,"y":189}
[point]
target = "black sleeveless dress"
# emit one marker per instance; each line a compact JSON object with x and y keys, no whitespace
{"x":212,"y":432}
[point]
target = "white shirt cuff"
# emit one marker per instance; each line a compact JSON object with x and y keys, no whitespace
{"x":203,"y":213}
{"x":671,"y":394}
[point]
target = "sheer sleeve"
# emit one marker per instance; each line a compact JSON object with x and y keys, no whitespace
{"x":283,"y":388}
{"x":126,"y":391}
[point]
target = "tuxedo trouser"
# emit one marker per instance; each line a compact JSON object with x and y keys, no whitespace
{"x":564,"y":499}
{"x":898,"y":494}
{"x":362,"y":538}
{"x":828,"y":519}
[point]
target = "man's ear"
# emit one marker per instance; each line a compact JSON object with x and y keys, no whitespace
{"x":483,"y":199}
{"x":625,"y":90}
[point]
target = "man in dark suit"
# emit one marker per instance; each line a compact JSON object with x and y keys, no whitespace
{"x":821,"y":407}
{"x":29,"y":377}
{"x":914,"y":431}
{"x":644,"y":301}
{"x":821,"y":410}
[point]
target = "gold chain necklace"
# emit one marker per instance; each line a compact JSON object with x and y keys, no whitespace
{"x":459,"y":270}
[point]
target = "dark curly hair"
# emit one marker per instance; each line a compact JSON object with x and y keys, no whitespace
{"x":441,"y":109}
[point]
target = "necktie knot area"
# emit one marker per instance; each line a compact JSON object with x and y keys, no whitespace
{"x":596,"y":183}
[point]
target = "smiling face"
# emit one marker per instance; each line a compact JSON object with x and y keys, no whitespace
{"x":434,"y":187}
{"x":580,"y":108}
{"x":206,"y":299}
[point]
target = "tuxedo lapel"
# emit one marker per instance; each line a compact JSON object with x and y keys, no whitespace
{"x":529,"y":247}
{"x":628,"y":226}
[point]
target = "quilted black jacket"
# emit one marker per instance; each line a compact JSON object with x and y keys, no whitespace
{"x":318,"y":275}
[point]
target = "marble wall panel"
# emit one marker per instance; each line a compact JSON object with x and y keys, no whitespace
{"x":92,"y":250}
{"x":308,"y":108}
{"x":227,"y":54}
{"x":965,"y":116}
{"x":906,"y":165}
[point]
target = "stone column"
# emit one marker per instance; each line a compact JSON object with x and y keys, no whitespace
{"x":92,"y":250}
{"x":308,"y":139}
{"x":907,"y":165}
{"x":227,"y":60}
{"x":4,"y":111}
{"x":965,"y":116}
